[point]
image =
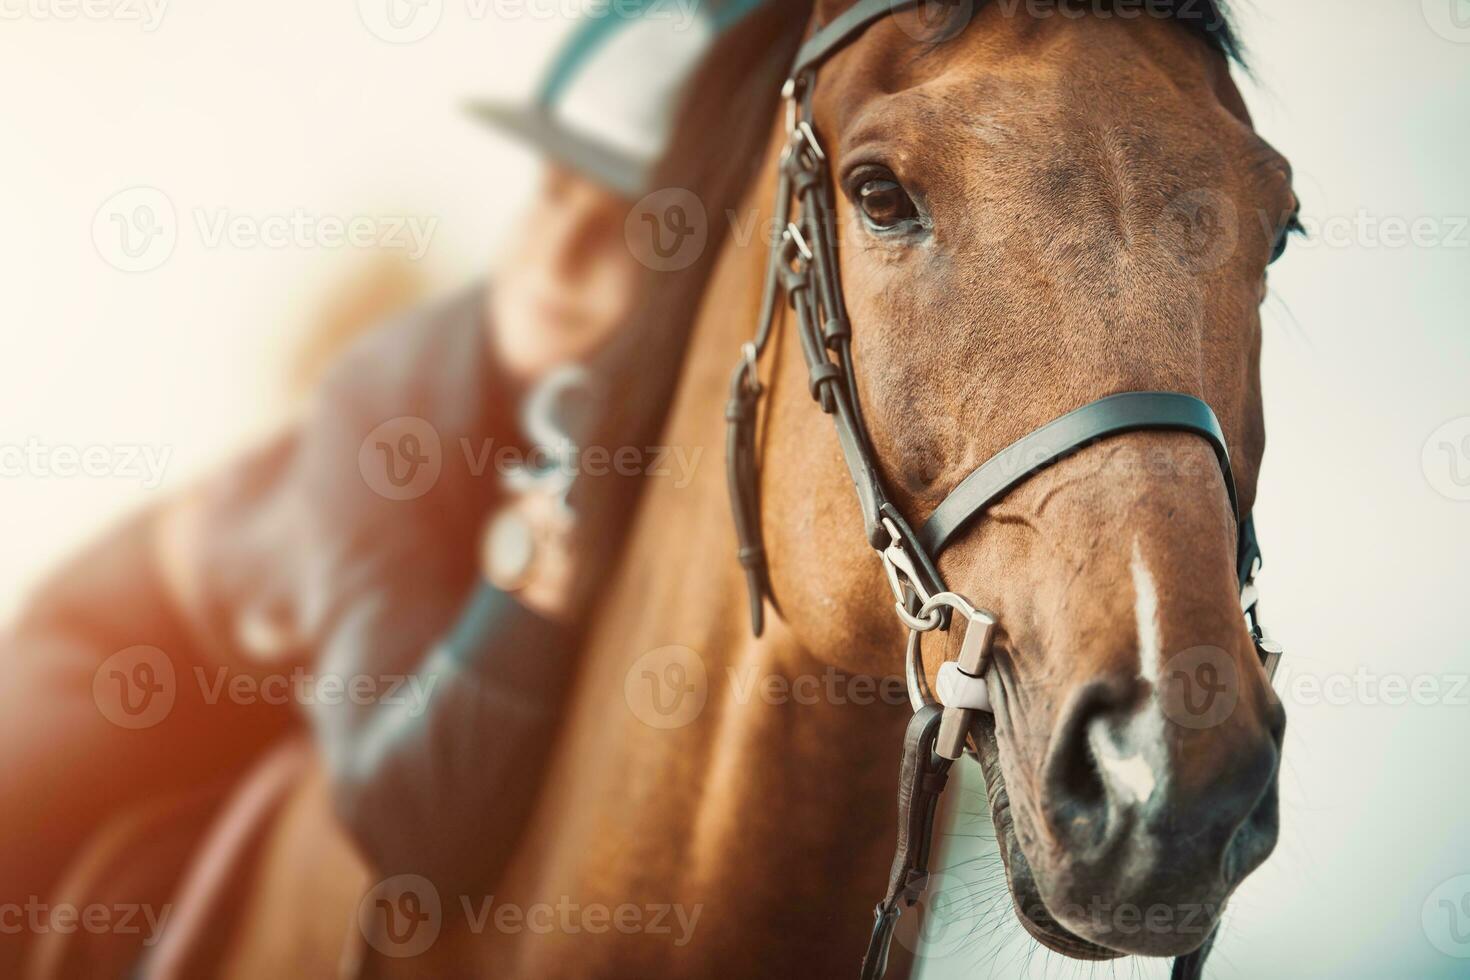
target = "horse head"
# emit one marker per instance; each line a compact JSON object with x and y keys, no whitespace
{"x":1032,"y":213}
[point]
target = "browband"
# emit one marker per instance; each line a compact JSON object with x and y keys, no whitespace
{"x":851,"y":22}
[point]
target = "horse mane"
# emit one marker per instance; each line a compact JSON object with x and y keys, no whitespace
{"x":722,"y":127}
{"x":1211,"y":22}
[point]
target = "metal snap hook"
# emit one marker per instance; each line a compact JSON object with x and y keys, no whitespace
{"x":793,"y":233}
{"x":749,"y":356}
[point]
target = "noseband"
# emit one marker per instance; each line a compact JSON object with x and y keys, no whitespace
{"x":803,"y":269}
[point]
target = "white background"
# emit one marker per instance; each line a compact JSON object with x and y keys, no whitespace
{"x":277,"y":105}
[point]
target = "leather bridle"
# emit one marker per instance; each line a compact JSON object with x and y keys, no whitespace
{"x":803,"y":269}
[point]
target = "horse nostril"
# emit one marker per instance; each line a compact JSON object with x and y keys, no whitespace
{"x":1111,"y":776}
{"x":1077,"y":798}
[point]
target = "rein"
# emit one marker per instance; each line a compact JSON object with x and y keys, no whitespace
{"x":802,"y":269}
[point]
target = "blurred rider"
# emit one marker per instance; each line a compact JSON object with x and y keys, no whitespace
{"x":376,"y":540}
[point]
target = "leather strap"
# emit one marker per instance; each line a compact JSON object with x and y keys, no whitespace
{"x":1248,"y":551}
{"x":742,"y":477}
{"x":1128,"y":412}
{"x":1191,"y":966}
{"x":843,"y":30}
{"x":920,"y":782}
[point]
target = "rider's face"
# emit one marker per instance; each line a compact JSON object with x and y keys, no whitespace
{"x":568,"y":280}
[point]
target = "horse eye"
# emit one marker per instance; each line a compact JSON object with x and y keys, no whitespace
{"x":1293,"y":226}
{"x":885,"y":204}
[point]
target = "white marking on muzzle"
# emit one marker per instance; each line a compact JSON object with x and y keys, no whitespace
{"x":1133,"y":774}
{"x":1146,"y":614}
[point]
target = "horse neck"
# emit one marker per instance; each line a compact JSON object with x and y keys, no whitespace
{"x":772,"y":807}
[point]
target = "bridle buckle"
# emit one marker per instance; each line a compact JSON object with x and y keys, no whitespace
{"x":905,"y":583}
{"x":1268,"y":650}
{"x":750,"y":358}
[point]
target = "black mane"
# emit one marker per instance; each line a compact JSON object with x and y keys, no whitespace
{"x":1210,"y":20}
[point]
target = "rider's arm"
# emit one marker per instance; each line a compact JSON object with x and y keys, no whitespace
{"x":438,"y":782}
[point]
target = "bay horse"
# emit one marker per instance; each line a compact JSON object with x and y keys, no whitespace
{"x":1036,"y":212}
